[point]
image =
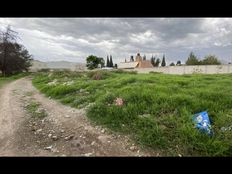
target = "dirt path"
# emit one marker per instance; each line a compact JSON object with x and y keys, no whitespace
{"x":65,"y":131}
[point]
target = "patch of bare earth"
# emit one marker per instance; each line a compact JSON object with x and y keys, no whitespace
{"x":65,"y":131}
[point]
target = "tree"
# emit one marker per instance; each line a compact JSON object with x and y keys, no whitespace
{"x":94,"y":61}
{"x":132,"y":59}
{"x":210,"y":60}
{"x":144,"y":57}
{"x":157,"y":62}
{"x":101,"y":61}
{"x":153,"y":60}
{"x":192,"y":60}
{"x":178,"y":62}
{"x":172,"y":64}
{"x":107,"y":62}
{"x":111,"y":62}
{"x":14,"y":57}
{"x":163,"y":61}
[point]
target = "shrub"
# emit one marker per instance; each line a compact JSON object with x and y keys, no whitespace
{"x":97,"y":76}
{"x":44,"y":70}
{"x":152,"y":72}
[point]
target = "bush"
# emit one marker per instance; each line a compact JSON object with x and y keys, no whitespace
{"x":119,"y":71}
{"x":97,"y":76}
{"x":210,"y":60}
{"x":152,"y":72}
{"x":132,"y":72}
{"x":44,"y":70}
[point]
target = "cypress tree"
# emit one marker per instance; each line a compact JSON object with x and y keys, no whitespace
{"x":163,"y":61}
{"x":111,"y":62}
{"x":107,"y":62}
{"x":144,"y":57}
{"x":157,"y":62}
{"x":153,"y":60}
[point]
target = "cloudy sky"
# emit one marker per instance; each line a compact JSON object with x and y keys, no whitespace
{"x":73,"y":39}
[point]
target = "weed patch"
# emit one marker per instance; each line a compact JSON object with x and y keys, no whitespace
{"x":34,"y":109}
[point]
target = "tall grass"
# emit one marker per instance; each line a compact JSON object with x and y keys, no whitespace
{"x":157,"y":110}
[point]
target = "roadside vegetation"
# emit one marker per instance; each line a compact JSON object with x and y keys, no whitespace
{"x":34,"y":109}
{"x":4,"y":80}
{"x":155,"y":110}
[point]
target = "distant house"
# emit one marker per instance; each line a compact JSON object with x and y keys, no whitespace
{"x":138,"y":63}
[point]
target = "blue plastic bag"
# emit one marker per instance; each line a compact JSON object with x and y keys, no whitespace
{"x":202,"y":122}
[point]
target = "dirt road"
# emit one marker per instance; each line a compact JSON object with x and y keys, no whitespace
{"x":65,"y":131}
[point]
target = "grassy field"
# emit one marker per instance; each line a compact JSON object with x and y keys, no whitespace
{"x":157,"y":110}
{"x":4,"y":80}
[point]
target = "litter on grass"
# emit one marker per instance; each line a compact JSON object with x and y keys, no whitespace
{"x":119,"y":101}
{"x":224,"y":129}
{"x":202,"y":122}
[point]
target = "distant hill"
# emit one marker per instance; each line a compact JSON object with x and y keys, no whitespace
{"x":63,"y":65}
{"x":37,"y":65}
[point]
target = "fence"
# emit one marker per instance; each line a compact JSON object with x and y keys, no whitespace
{"x":197,"y":69}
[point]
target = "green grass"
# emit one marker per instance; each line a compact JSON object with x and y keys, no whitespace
{"x":4,"y":80}
{"x":157,"y":110}
{"x":33,"y":108}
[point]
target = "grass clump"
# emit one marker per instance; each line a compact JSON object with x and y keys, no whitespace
{"x":34,"y":109}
